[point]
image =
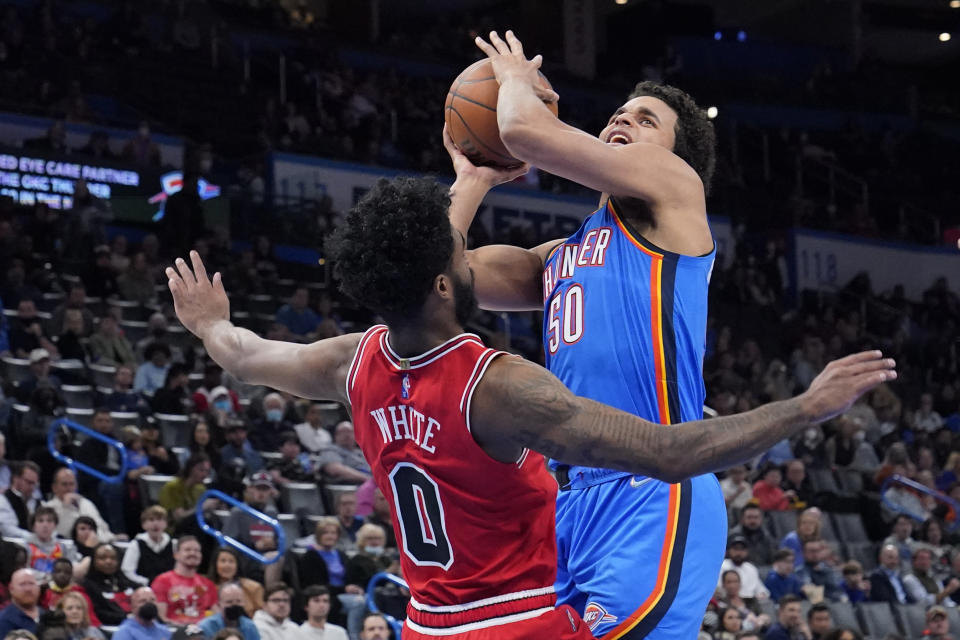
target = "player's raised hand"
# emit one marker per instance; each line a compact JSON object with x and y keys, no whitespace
{"x":510,"y":63}
{"x":488,"y":176}
{"x":843,"y":381}
{"x":198,"y":301}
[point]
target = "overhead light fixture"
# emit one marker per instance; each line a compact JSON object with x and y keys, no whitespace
{"x":717,"y":35}
{"x":620,"y":1}
{"x":955,"y":4}
{"x":945,"y":37}
{"x":741,"y":36}
{"x":712,"y":112}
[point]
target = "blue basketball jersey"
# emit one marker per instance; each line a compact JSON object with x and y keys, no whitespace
{"x":625,"y":324}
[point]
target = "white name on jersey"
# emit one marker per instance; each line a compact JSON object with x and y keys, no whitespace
{"x":406,"y":423}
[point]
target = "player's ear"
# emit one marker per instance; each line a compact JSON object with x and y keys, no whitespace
{"x":443,"y":286}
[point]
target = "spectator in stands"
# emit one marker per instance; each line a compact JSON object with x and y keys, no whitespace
{"x":104,"y":458}
{"x":731,"y":597}
{"x":796,"y":482}
{"x":71,"y":343}
{"x":759,"y":542}
{"x":109,"y":589}
{"x":854,"y":585}
{"x":44,"y":547}
{"x":40,"y":378}
{"x":213,"y":382}
{"x":323,"y":561}
{"x":730,"y":623}
{"x":251,"y":531}
{"x":931,"y":537}
{"x":109,"y":346}
{"x":819,"y":621}
{"x":767,"y":491}
{"x":144,"y":622}
{"x":17,"y":502}
{"x":239,"y":447}
{"x":76,"y":299}
{"x":231,"y":614}
{"x":62,"y":584}
{"x":925,"y":588}
{"x":23,"y":612}
{"x":77,"y":619}
{"x":183,"y":596}
{"x":70,"y":505}
{"x":808,"y":528}
{"x":901,"y":538}
{"x":153,"y":372}
{"x":136,"y":283}
{"x":925,"y":419}
{"x":329,"y":321}
{"x":737,"y":492}
{"x":790,"y":624}
{"x":225,"y":568}
{"x":383,"y":517}
{"x":318,"y":608}
{"x":782,"y":579}
{"x":375,"y":627}
{"x":344,"y":461}
{"x":26,"y":333}
{"x":15,"y":287}
{"x":266,"y":432}
{"x":158,"y":328}
{"x":751,"y":585}
{"x":350,"y":522}
{"x":273,"y":621}
{"x":293,"y":465}
{"x":98,"y":146}
{"x":938,"y":624}
{"x":297,"y":316}
{"x":150,"y":553}
{"x":174,"y":396}
{"x":141,"y":149}
{"x":179,"y":496}
{"x":886,"y":581}
{"x":163,"y":461}
{"x":182,"y":223}
{"x":101,"y":280}
{"x":950,"y":473}
{"x":201,"y":441}
{"x":819,"y":580}
{"x":122,"y":397}
{"x":313,"y":435}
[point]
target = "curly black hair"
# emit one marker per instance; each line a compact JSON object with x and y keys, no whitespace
{"x":393,"y":244}
{"x":696,"y":141}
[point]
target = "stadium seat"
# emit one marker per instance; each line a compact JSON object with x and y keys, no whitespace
{"x":70,"y":371}
{"x":180,"y":337}
{"x":291,"y":527}
{"x":50,"y":301}
{"x":913,"y":619}
{"x":182,"y":453}
{"x":302,"y":497}
{"x":130,"y":310}
{"x":16,"y":370}
{"x":333,"y":491}
{"x":194,"y":381}
{"x":150,"y":486}
{"x":850,"y":527}
{"x":124,"y":418}
{"x":877,"y":619}
{"x":285,"y":287}
{"x":102,"y":375}
{"x":863,"y":552}
{"x":95,"y":305}
{"x":78,"y":396}
{"x":823,"y":480}
{"x":80,"y":416}
{"x":782,"y":523}
{"x":134,"y":330}
{"x":954,"y":617}
{"x":827,"y":532}
{"x":270,"y":456}
{"x":242,"y":319}
{"x":174,"y":429}
{"x":262,"y":304}
{"x":843,"y":615}
{"x":332,"y":413}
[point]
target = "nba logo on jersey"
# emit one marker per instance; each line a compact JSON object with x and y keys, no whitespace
{"x":405,"y":387}
{"x":594,"y":615}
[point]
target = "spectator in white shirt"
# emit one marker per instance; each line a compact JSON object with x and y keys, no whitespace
{"x":313,"y":436}
{"x":17,"y":503}
{"x":751,"y":585}
{"x":318,"y":608}
{"x":273,"y":621}
{"x":70,"y":505}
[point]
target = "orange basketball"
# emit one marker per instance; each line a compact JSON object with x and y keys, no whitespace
{"x":471,"y":115}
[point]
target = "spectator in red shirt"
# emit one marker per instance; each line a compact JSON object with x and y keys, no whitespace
{"x":62,"y":583}
{"x":183,"y":596}
{"x":767,"y":491}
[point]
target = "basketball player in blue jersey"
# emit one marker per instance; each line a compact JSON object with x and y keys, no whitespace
{"x":625,"y":310}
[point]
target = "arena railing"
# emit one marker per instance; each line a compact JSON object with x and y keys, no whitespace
{"x":897,"y":479}
{"x":384,"y":576}
{"x":61,"y":424}
{"x":222,"y":538}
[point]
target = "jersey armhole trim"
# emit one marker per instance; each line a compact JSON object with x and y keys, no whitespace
{"x":358,"y":356}
{"x":479,"y":369}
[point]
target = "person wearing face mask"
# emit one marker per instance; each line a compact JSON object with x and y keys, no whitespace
{"x":144,"y":622}
{"x":212,"y":388}
{"x":231,"y":614}
{"x":266,"y":432}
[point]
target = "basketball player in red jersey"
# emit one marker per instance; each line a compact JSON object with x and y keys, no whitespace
{"x":450,"y":427}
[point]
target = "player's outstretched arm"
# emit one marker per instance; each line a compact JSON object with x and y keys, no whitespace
{"x":532,"y":133}
{"x":506,"y":278}
{"x":315,"y":371}
{"x":519,"y":404}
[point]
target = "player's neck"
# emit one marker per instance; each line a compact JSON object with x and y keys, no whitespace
{"x":409,"y":340}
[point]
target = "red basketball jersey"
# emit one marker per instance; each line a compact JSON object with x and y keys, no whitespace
{"x":476,"y":535}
